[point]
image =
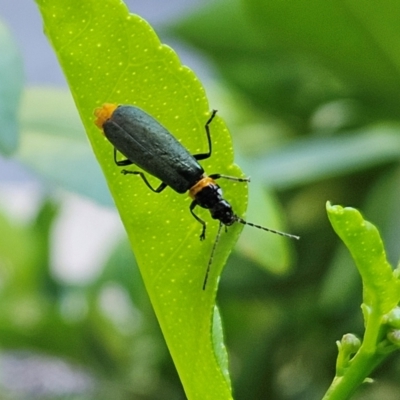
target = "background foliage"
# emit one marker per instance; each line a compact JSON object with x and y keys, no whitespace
{"x":310,"y":93}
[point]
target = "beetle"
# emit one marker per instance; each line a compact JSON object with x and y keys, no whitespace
{"x":149,"y":145}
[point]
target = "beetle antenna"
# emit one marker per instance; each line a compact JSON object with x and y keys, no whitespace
{"x":212,"y":255}
{"x":242,"y":221}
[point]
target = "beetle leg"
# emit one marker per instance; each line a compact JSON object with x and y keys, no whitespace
{"x":143,"y":176}
{"x":193,"y":204}
{"x":121,"y":163}
{"x":203,"y":156}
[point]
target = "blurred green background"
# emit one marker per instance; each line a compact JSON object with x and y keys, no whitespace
{"x":311,"y":92}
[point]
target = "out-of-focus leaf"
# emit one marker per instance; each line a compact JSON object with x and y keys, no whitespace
{"x":54,"y":146}
{"x":357,"y":40}
{"x":269,"y":250}
{"x":339,"y":288}
{"x":17,"y":265}
{"x":33,"y":310}
{"x":285,"y":82}
{"x":11,"y":82}
{"x":382,"y":206}
{"x":309,"y":160}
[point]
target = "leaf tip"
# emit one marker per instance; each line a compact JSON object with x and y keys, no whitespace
{"x":333,"y":209}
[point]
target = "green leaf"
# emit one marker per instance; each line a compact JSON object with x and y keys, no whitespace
{"x":381,"y":290}
{"x":219,"y":347}
{"x":11,"y":82}
{"x":381,"y":294}
{"x":109,"y":55}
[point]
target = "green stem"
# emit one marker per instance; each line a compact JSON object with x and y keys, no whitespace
{"x":343,"y":387}
{"x":366,"y":359}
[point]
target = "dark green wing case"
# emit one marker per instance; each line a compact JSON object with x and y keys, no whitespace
{"x":146,"y":143}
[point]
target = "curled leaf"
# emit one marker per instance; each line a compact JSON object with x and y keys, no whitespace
{"x":380,"y":287}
